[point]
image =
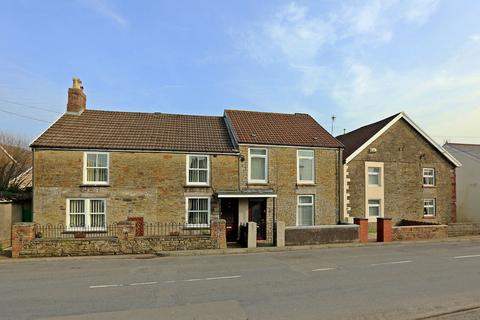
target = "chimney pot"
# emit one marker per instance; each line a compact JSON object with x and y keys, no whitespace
{"x":77,"y":100}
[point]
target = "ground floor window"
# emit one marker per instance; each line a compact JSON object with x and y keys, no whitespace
{"x":198,"y":211}
{"x":86,"y":214}
{"x":305,"y":210}
{"x":429,"y":207}
{"x":374,"y":209}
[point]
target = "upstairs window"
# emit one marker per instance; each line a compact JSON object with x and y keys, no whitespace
{"x":374,"y":176}
{"x":257,"y":165}
{"x":95,"y":168}
{"x":305,"y":212}
{"x":429,"y":207}
{"x":198,"y":211}
{"x":305,"y":166}
{"x":86,"y":214}
{"x":429,"y":177}
{"x":198,"y":170}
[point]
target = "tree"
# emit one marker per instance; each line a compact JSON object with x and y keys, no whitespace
{"x":15,"y":159}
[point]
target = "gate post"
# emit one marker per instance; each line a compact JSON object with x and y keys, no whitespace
{"x":362,"y":229}
{"x":384,"y":229}
{"x":21,"y":232}
{"x":252,"y":235}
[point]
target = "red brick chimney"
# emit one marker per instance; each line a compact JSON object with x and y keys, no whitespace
{"x":77,"y":100}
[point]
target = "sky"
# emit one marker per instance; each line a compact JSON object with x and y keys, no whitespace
{"x":359,"y":61}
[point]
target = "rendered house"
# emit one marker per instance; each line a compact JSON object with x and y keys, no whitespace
{"x":393,"y":169}
{"x":92,"y":168}
{"x":468,"y":180}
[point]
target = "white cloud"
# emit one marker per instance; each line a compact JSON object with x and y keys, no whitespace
{"x":104,"y":8}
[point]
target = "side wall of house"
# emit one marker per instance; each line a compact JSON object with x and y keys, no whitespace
{"x":404,"y":154}
{"x":152,"y":185}
{"x":282,"y":179}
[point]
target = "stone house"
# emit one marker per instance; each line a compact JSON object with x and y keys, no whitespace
{"x":468,"y":180}
{"x":93,"y":167}
{"x":393,"y":169}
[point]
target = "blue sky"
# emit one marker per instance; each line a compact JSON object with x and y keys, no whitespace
{"x":357,"y":60}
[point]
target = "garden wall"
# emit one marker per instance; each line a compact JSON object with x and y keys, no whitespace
{"x":419,"y":232}
{"x":320,"y":234}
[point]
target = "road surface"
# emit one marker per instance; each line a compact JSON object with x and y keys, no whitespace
{"x":438,"y":280}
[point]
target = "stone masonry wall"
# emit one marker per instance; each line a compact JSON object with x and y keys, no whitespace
{"x":463,"y":229}
{"x":282,"y":179}
{"x":404,"y":154}
{"x":26,"y":245}
{"x":151,"y":185}
{"x":419,"y":232}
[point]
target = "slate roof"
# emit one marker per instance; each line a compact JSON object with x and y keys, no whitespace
{"x":94,"y":129}
{"x":251,"y":127}
{"x":356,"y":138}
{"x":473,"y":150}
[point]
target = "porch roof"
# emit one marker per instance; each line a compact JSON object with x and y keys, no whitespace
{"x":247,"y":194}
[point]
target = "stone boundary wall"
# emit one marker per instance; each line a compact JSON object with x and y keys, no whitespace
{"x":26,"y":245}
{"x":320,"y":234}
{"x":419,"y":232}
{"x":463,"y":229}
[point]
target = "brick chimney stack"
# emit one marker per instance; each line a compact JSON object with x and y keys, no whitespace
{"x":77,"y":100}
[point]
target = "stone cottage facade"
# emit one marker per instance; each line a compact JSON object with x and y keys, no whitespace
{"x":92,"y":168}
{"x":393,"y":169}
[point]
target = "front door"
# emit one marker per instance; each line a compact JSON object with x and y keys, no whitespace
{"x":229,"y":212}
{"x":257,"y":212}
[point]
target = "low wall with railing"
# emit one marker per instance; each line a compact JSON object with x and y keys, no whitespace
{"x":30,"y":240}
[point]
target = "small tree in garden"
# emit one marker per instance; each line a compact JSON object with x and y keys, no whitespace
{"x":15,"y":159}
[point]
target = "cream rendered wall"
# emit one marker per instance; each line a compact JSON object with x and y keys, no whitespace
{"x":374,"y":192}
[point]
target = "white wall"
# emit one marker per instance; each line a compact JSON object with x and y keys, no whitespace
{"x":468,"y":187}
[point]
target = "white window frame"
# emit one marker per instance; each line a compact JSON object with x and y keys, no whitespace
{"x":428,"y":176}
{"x":380,"y":212}
{"x":85,"y":175}
{"x":313,"y":166}
{"x":209,"y":211}
{"x":434,"y":206}
{"x":378,"y":174}
{"x":87,"y":214}
{"x":312,"y":204}
{"x":188,"y":170}
{"x":250,"y":180}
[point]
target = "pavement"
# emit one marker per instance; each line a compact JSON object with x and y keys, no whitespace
{"x":427,"y":280}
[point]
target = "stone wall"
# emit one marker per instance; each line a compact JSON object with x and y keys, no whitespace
{"x":320,"y":234}
{"x":150,"y":185}
{"x":404,"y":153}
{"x":419,"y":232}
{"x":282,"y":179}
{"x":463,"y":229}
{"x":26,"y":245}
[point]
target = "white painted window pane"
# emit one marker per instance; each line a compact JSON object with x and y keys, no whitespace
{"x":305,"y":153}
{"x":202,"y":176}
{"x":373,"y":170}
{"x":305,"y":215}
{"x":258,"y":152}
{"x":257,"y":168}
{"x":202,"y":162}
{"x":373,"y":179}
{"x":305,"y":169}
{"x":102,"y":160}
{"x":374,"y":211}
{"x":91,"y":160}
{"x":77,"y":206}
{"x":305,"y":199}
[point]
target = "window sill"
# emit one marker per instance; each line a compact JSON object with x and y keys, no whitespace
{"x":257,"y":184}
{"x":427,"y":186}
{"x":83,"y":185}
{"x":429,"y":217}
{"x":197,"y":186}
{"x":306,"y":184}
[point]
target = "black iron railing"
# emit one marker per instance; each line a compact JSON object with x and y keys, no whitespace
{"x":174,"y":229}
{"x":60,"y":231}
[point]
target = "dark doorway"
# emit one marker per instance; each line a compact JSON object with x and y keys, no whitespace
{"x":257,"y":212}
{"x":229,"y":212}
